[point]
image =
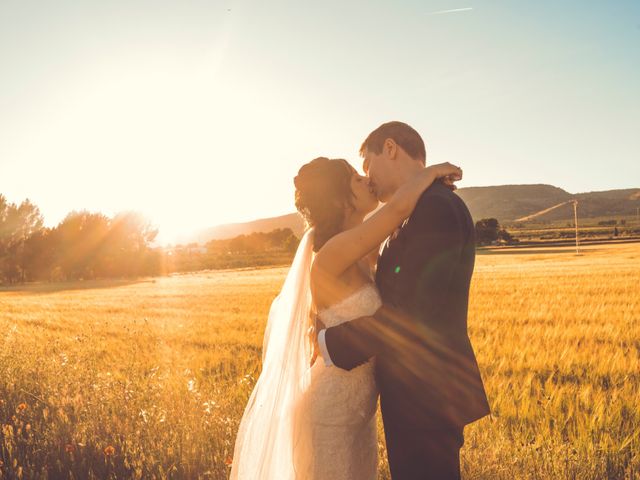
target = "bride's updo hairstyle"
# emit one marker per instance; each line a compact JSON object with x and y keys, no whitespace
{"x":323,"y":189}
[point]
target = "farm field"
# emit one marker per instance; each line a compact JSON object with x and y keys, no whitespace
{"x":149,"y":378}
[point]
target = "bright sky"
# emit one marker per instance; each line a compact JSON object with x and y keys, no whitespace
{"x":197,"y":113}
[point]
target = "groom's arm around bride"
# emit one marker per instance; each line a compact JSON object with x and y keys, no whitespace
{"x":425,"y":361}
{"x":426,"y":371}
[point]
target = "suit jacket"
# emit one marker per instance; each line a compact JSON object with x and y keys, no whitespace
{"x":425,"y":366}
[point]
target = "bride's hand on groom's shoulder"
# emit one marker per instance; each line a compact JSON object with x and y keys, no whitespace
{"x":448,"y":182}
{"x":405,"y":198}
{"x":447,"y":171}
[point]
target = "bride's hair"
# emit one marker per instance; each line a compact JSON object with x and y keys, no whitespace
{"x":323,"y":188}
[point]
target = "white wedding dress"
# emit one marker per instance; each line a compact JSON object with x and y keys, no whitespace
{"x":337,"y":412}
{"x":303,"y":423}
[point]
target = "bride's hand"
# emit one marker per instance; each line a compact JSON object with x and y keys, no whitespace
{"x":407,"y":195}
{"x":446,"y":170}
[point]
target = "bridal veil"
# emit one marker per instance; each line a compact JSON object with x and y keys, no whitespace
{"x":267,"y":446}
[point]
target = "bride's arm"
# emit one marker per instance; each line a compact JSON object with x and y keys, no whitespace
{"x":435,"y":241}
{"x":346,"y":248}
{"x":372,"y":258}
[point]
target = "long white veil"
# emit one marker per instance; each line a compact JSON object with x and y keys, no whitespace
{"x":267,"y":436}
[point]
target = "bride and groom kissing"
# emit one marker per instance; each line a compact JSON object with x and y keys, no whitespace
{"x":373,"y":305}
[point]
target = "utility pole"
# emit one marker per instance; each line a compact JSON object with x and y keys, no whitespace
{"x":575,"y":218}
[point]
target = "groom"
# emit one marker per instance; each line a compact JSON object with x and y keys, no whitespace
{"x":430,"y":385}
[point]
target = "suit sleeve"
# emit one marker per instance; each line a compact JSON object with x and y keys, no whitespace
{"x":352,"y":343}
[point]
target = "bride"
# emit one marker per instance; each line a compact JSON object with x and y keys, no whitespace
{"x":318,"y":422}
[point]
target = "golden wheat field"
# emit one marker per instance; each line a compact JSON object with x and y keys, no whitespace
{"x":148,"y":379}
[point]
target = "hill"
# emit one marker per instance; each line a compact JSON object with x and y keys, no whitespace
{"x":504,"y":202}
{"x":508,"y":202}
{"x":292,"y":220}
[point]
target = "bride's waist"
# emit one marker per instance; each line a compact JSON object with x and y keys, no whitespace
{"x":320,"y":374}
{"x":337,"y":396}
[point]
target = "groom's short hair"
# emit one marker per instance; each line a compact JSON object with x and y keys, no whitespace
{"x":404,"y":135}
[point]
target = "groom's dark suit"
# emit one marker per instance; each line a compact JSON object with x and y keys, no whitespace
{"x":430,"y":385}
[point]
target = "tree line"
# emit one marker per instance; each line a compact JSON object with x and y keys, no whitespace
{"x":86,"y":246}
{"x":488,"y":231}
{"x":275,"y":240}
{"x":276,"y":247}
{"x":82,"y":246}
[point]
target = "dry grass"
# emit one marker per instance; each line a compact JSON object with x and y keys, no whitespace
{"x":144,"y":379}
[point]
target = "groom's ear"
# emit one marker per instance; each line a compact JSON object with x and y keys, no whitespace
{"x":390,"y":147}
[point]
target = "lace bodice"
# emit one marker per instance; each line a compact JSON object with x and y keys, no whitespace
{"x":364,"y":301}
{"x":337,"y":414}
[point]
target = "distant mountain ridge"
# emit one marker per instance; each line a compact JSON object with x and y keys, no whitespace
{"x":504,"y":202}
{"x":509,"y":202}
{"x":292,"y":220}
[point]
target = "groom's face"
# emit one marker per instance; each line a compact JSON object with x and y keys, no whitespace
{"x":377,"y":167}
